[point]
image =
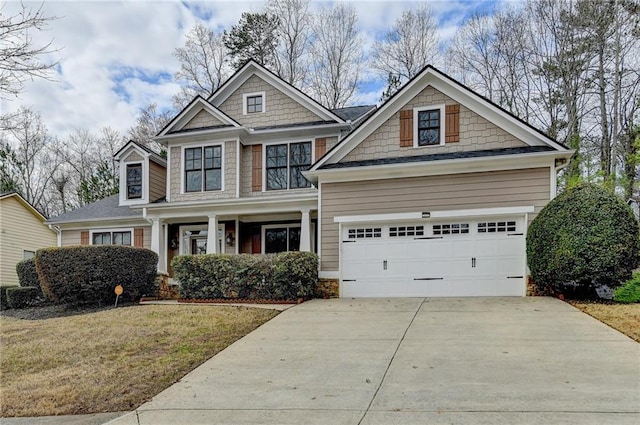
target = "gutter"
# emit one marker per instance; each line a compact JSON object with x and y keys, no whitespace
{"x":58,"y":234}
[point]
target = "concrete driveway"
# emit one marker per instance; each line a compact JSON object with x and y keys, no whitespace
{"x":414,"y":361}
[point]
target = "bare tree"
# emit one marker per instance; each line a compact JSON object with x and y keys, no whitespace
{"x":20,"y":59}
{"x":294,"y":29}
{"x":337,"y":56}
{"x":410,"y":45}
{"x":149,"y":122}
{"x":204,"y":64}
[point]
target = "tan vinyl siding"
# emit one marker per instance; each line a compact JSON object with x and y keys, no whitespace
{"x":71,"y":237}
{"x":476,"y":133}
{"x":20,"y":231}
{"x":449,"y":192}
{"x":229,"y":170}
{"x":157,"y":181}
{"x":279,"y":109}
{"x":202,"y":119}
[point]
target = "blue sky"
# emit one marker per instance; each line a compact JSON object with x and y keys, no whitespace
{"x":116,"y":56}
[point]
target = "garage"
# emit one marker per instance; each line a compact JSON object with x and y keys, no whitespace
{"x":455,"y":257}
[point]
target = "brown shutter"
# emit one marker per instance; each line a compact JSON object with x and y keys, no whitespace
{"x":321,"y":147}
{"x":256,"y":241}
{"x":256,"y":168}
{"x":138,"y":237}
{"x":84,"y":237}
{"x":452,"y":124}
{"x":406,"y":128}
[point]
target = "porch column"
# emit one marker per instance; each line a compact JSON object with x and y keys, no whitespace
{"x":156,"y":242}
{"x":305,"y":231}
{"x":212,"y":235}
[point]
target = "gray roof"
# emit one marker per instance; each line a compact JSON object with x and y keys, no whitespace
{"x":352,"y":113}
{"x":104,"y":209}
{"x":210,"y":127}
{"x":300,"y":124}
{"x":440,"y":157}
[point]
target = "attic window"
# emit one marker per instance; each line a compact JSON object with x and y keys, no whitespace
{"x":428,"y":123}
{"x":134,"y":181}
{"x":253,"y":103}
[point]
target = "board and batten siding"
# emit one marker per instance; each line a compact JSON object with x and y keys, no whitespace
{"x":20,"y":231}
{"x":434,"y":193}
{"x":157,"y":181}
{"x":72,"y":237}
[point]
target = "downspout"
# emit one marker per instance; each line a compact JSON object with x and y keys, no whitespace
{"x":58,"y":234}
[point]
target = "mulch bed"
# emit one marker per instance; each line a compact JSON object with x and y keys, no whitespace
{"x":229,"y":301}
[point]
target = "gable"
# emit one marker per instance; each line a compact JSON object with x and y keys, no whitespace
{"x":202,"y":119}
{"x":133,"y":157}
{"x":279,"y":108}
{"x":474,"y":132}
{"x":197,"y":114}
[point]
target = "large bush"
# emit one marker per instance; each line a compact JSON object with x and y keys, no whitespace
{"x":286,"y":276}
{"x":89,"y":274}
{"x":21,"y":297}
{"x":27,"y":274}
{"x":584,"y":242}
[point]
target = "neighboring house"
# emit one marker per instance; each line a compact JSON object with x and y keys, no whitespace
{"x":429,"y":195}
{"x":22,"y":233}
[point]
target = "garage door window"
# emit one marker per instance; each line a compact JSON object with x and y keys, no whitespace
{"x":497,"y":227}
{"x":400,"y":231}
{"x":365,"y":233}
{"x":451,"y":229}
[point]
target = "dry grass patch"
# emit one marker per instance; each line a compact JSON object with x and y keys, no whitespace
{"x":623,"y":317}
{"x":112,"y":360}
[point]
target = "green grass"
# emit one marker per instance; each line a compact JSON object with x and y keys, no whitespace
{"x":629,"y":292}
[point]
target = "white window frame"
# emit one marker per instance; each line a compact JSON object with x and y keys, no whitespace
{"x":288,"y":142}
{"x":419,"y":109}
{"x":117,"y":230}
{"x":245,"y":96}
{"x":124,"y":200}
{"x":126,"y":183}
{"x":264,"y":228}
{"x":183,"y":183}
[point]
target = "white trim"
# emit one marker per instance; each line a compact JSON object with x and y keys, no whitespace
{"x":442,"y":122}
{"x":167,"y":193}
{"x":288,"y":143}
{"x":553,"y":181}
{"x":111,"y":230}
{"x":237,"y":236}
{"x":474,"y":212}
{"x":238,"y":159}
{"x":319,"y":221}
{"x":245,"y":96}
{"x":198,"y":104}
{"x":144,"y":169}
{"x":183,"y":183}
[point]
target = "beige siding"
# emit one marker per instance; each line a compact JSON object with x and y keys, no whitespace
{"x":20,"y":231}
{"x":157,"y":181}
{"x":72,"y":237}
{"x":331,"y":142}
{"x":448,"y":192}
{"x":279,"y":108}
{"x":229,"y":181}
{"x":476,"y":133}
{"x":202,"y":119}
{"x":133,"y":157}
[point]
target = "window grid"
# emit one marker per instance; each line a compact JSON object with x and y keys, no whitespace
{"x":134,"y":181}
{"x":400,"y":231}
{"x":285,"y":164}
{"x":111,"y":238}
{"x":365,"y":233}
{"x":254,"y":104}
{"x":195,"y":166}
{"x":429,"y":127}
{"x":497,"y":227}
{"x":451,"y":229}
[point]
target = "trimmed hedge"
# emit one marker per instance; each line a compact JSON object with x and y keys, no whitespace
{"x":89,"y":274}
{"x":285,"y":276}
{"x":21,"y":297}
{"x":583,"y":243}
{"x":3,"y":297}
{"x":27,"y":274}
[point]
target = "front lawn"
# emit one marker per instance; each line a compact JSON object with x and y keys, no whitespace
{"x":623,"y":317}
{"x":110,"y":360}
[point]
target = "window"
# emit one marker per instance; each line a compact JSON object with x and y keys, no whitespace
{"x":285,"y":163}
{"x":26,"y":255}
{"x":429,"y":127}
{"x":399,"y":231}
{"x":281,"y":239}
{"x":203,"y":161}
{"x":451,"y":229}
{"x":134,"y":181}
{"x":111,"y":238}
{"x":365,"y":233}
{"x":253,"y":103}
{"x":497,"y":227}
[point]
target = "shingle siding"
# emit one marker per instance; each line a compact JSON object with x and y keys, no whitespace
{"x":202,"y":119}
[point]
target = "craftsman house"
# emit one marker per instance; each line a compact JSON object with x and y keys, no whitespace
{"x":428,"y":195}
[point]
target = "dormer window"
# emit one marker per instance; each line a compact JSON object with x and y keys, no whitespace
{"x":134,"y":181}
{"x":253,"y":103}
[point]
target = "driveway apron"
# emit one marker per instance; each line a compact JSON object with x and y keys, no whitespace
{"x":413,"y":361}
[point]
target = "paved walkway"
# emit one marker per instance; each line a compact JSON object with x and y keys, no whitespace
{"x":413,"y":361}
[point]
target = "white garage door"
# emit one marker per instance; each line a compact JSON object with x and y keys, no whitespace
{"x":454,"y":258}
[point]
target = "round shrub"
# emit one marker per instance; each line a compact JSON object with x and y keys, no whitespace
{"x":89,"y":274}
{"x":27,"y":274}
{"x":583,"y":243}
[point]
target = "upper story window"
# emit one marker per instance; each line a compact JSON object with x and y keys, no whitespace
{"x":134,"y":181}
{"x":429,"y":126}
{"x":285,"y":163}
{"x":111,"y":238}
{"x":253,"y":103}
{"x":203,"y":168}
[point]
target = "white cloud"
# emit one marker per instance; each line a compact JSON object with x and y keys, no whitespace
{"x":116,"y":57}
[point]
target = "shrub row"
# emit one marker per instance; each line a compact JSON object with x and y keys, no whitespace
{"x":27,"y":274}
{"x":21,"y":297}
{"x":285,"y":276}
{"x":89,"y":274}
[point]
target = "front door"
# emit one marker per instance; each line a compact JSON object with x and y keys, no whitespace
{"x":193,"y":239}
